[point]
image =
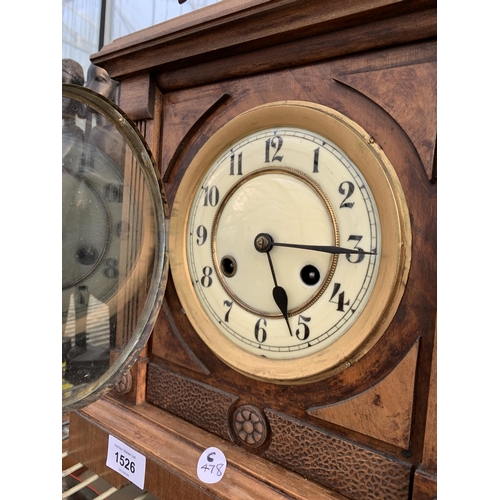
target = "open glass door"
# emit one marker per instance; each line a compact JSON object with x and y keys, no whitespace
{"x":114,"y":259}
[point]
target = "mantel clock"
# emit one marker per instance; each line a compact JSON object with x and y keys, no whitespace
{"x":296,"y":147}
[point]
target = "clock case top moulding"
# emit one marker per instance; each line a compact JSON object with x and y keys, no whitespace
{"x":181,"y":81}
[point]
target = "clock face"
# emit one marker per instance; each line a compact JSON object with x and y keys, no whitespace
{"x":286,"y":242}
{"x":310,"y":194}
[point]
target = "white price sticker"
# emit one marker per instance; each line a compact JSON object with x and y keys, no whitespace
{"x":126,"y":461}
{"x":211,"y":465}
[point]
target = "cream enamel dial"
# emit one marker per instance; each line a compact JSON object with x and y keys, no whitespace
{"x":285,"y":245}
{"x":292,"y":202}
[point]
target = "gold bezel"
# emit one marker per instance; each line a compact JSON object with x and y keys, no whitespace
{"x":395,"y":257}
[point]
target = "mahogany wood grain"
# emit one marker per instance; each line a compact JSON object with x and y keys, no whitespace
{"x":183,"y":119}
{"x":384,"y":411}
{"x":425,"y":480}
{"x":138,"y":97}
{"x":239,"y":26}
{"x":429,"y":459}
{"x":412,"y":104}
{"x":377,"y":35}
{"x":424,"y":486}
{"x":176,"y":351}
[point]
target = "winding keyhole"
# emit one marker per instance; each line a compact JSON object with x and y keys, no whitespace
{"x":310,"y":275}
{"x":228,"y":266}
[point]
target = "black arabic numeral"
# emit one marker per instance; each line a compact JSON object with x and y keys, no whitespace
{"x":260,"y":332}
{"x":304,"y":334}
{"x":360,"y":256}
{"x":211,"y":196}
{"x":276,"y":142}
{"x":201,"y":232}
{"x":229,"y":304}
{"x":346,"y":188}
{"x":239,"y":170}
{"x":206,"y":280}
{"x":316,"y":161}
{"x":341,"y":302}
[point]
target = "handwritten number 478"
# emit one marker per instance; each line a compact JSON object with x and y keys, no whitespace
{"x":211,"y":468}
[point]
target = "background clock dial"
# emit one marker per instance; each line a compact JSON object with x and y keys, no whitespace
{"x":95,"y":227}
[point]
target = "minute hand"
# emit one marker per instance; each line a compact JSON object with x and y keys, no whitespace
{"x":324,"y":248}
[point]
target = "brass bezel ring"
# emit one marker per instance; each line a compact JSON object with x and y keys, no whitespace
{"x":333,"y":261}
{"x":395,"y":255}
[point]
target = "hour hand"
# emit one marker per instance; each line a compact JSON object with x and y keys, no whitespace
{"x":263,"y":244}
{"x":280,"y":296}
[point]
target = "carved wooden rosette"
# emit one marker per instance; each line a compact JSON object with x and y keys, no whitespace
{"x":124,"y":385}
{"x":250,"y":426}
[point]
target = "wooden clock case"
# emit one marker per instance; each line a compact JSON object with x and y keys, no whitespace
{"x":368,"y":432}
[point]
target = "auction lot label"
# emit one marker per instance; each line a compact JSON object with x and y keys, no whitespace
{"x":126,"y":461}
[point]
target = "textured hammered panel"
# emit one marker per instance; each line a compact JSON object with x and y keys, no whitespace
{"x":193,"y":401}
{"x":350,"y":469}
